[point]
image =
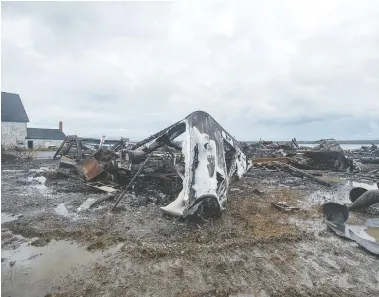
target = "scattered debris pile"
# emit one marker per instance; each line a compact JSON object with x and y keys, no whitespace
{"x":366,"y":158}
{"x":365,"y":152}
{"x":327,"y":145}
{"x":196,"y":172}
{"x":192,"y":177}
{"x":327,"y":155}
{"x":269,"y":149}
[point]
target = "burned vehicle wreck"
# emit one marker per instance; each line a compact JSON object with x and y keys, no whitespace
{"x":211,"y":158}
{"x":205,"y":162}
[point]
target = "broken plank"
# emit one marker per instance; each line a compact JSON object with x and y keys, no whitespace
{"x":301,"y":173}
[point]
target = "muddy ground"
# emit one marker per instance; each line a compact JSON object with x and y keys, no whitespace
{"x":253,"y":249}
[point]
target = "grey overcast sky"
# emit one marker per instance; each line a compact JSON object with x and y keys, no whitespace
{"x":270,"y":69}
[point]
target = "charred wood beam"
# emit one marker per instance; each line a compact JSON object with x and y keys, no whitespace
{"x":301,"y":173}
{"x":130,"y":183}
{"x":173,"y":165}
{"x":70,"y":140}
{"x":79,"y":154}
{"x":166,"y":138}
{"x":173,"y":131}
{"x":175,"y":146}
{"x":369,"y":160}
{"x":60,"y":148}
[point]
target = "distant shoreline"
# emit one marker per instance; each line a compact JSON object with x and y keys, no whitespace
{"x":346,"y":142}
{"x":365,"y":142}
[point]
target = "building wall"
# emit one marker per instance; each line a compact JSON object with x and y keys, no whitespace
{"x":43,"y":143}
{"x":13,"y":134}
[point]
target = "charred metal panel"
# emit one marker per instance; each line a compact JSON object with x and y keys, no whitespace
{"x":207,"y":174}
{"x":90,"y":168}
{"x":328,"y":160}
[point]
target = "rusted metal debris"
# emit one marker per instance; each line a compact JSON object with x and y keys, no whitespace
{"x":90,"y":167}
{"x":199,"y":169}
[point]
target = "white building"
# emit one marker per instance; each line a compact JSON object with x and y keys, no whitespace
{"x":13,"y":121}
{"x":44,"y":138}
{"x":14,"y":130}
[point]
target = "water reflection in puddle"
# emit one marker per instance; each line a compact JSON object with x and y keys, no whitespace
{"x":36,"y":269}
{"x":61,"y":210}
{"x":35,"y":266}
{"x":373,"y":232}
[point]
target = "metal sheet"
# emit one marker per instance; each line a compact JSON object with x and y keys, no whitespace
{"x":65,"y":161}
{"x":90,"y":168}
{"x":366,"y":235}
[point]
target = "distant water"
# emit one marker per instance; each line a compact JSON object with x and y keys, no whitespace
{"x":353,"y":146}
{"x":347,"y":146}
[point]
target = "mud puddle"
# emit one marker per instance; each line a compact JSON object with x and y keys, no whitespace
{"x":44,"y":155}
{"x":28,"y":270}
{"x":40,"y":170}
{"x":368,"y":186}
{"x":339,"y":195}
{"x":37,"y":182}
{"x":6,"y":217}
{"x":313,"y":202}
{"x":62,"y":210}
{"x":374,"y":233}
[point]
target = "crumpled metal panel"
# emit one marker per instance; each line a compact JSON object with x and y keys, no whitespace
{"x":366,"y":235}
{"x":207,"y":171}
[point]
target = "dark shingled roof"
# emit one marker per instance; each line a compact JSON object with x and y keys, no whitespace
{"x":48,"y":134}
{"x":12,"y":109}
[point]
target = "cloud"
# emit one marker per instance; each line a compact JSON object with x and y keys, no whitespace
{"x":261,"y":68}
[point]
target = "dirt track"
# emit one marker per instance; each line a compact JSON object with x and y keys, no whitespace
{"x":252,"y":249}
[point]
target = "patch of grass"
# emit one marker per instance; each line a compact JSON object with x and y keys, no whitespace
{"x":43,"y":149}
{"x":41,"y":241}
{"x":332,"y":179}
{"x":24,"y":155}
{"x":285,"y":194}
